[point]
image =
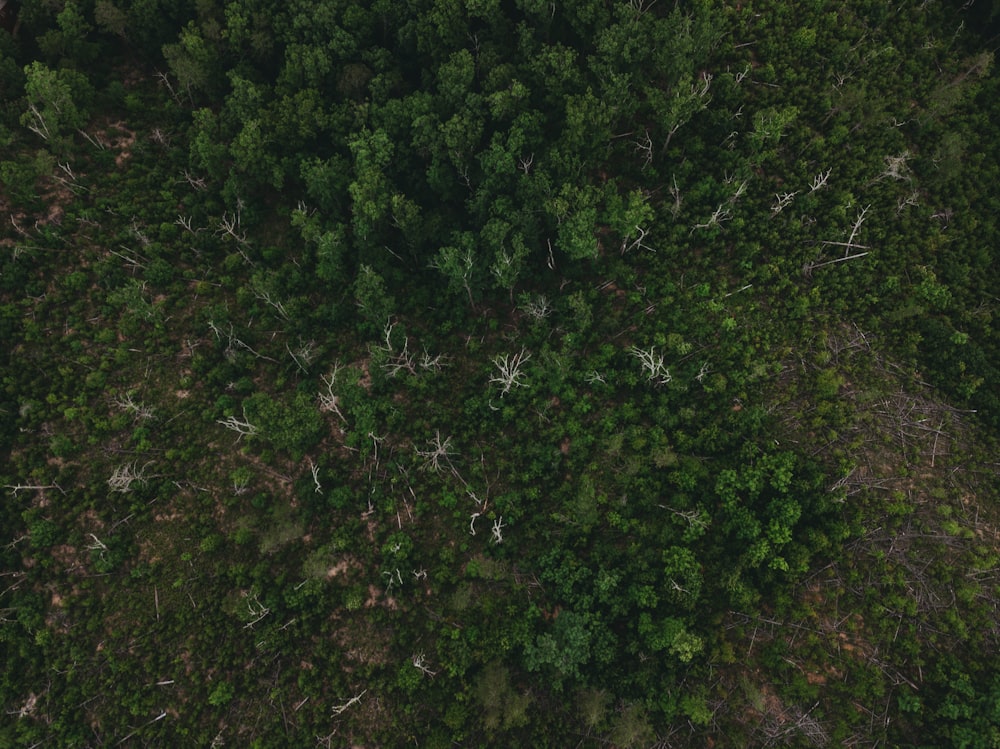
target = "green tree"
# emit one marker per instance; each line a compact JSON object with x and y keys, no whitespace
{"x":509,"y":263}
{"x":670,"y":634}
{"x":69,"y":41}
{"x":194,"y":60}
{"x":503,"y":707}
{"x":458,"y":264}
{"x":52,"y":97}
{"x":683,"y":576}
{"x":372,"y":298}
{"x":294,"y":425}
{"x":370,"y":190}
{"x":562,"y":651}
{"x":575,"y":211}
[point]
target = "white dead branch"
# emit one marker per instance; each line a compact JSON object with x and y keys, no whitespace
{"x":652,"y":365}
{"x":241,"y":427}
{"x":509,"y":374}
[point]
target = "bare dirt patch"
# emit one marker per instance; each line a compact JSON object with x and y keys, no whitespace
{"x":338,"y":569}
{"x":122,"y":142}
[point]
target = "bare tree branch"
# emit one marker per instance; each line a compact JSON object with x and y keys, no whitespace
{"x":652,"y":364}
{"x":509,"y":371}
{"x":242,"y":428}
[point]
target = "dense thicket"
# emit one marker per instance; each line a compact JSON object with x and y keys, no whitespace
{"x":478,"y":372}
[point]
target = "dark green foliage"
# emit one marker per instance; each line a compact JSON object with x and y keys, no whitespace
{"x":293,"y":424}
{"x":478,"y":373}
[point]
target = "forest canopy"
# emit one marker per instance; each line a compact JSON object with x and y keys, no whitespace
{"x":481,"y":372}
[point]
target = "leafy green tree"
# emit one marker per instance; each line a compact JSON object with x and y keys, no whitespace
{"x":326,"y":182}
{"x":509,"y":263}
{"x":768,"y":127}
{"x":222,"y":694}
{"x":455,"y":78}
{"x":372,"y":298}
{"x":52,"y":97}
{"x":672,"y":635}
{"x":630,"y":217}
{"x":250,"y":26}
{"x":587,"y":126}
{"x":503,"y":707}
{"x":683,"y":576}
{"x":331,"y":256}
{"x":194,"y":60}
{"x":370,"y":189}
{"x":294,"y":425}
{"x":458,"y":263}
{"x":575,"y":211}
{"x":207,"y":152}
{"x":563,"y":650}
{"x":69,"y":42}
{"x":253,"y":156}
